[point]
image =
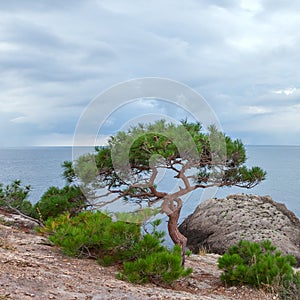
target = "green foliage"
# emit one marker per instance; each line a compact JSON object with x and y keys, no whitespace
{"x":14,"y":197}
{"x":259,"y":265}
{"x":95,"y":235}
{"x":69,"y":172}
{"x":162,"y":266}
{"x":290,"y":288}
{"x":215,"y":159}
{"x":57,"y":201}
{"x":86,"y":168}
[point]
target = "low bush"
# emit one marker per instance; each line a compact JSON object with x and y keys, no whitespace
{"x":259,"y":265}
{"x":56,"y":201}
{"x":290,"y":289}
{"x":13,"y":197}
{"x":162,"y":266}
{"x":95,"y":235}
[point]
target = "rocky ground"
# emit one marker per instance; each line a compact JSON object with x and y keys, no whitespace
{"x":31,"y":268}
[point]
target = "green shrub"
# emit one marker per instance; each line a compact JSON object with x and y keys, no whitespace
{"x":259,"y":265}
{"x":57,"y":201}
{"x":162,"y":266}
{"x":290,"y":289}
{"x":14,"y":197}
{"x":95,"y":235}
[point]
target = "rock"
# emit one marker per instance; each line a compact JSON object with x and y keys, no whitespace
{"x":216,"y":224}
{"x":16,"y":220}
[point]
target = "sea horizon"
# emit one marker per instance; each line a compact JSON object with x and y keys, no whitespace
{"x":42,"y":169}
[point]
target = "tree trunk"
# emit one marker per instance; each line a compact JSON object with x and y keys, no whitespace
{"x":173,"y":213}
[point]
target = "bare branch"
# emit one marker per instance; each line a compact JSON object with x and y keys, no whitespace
{"x":102,"y":204}
{"x":17,"y":211}
{"x":183,"y":177}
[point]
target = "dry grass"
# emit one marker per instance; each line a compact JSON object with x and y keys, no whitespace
{"x":202,"y":251}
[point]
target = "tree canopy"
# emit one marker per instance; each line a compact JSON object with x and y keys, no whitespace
{"x":128,"y":167}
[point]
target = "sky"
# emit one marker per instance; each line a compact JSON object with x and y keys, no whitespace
{"x":56,"y":56}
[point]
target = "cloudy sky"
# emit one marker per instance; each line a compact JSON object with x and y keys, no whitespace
{"x":56,"y":56}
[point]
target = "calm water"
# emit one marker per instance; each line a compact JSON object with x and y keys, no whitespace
{"x":41,"y":168}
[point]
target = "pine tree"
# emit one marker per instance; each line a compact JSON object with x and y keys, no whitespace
{"x":128,"y":167}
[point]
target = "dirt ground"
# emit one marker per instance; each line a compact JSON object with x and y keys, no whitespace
{"x":31,"y":268}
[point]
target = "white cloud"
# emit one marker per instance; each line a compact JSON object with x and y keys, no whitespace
{"x":21,"y":119}
{"x":255,"y":110}
{"x":253,"y":6}
{"x":287,"y":91}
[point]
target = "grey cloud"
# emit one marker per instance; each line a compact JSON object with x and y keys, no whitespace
{"x":30,"y":34}
{"x":58,"y":55}
{"x":40,"y":67}
{"x":100,"y":55}
{"x":41,"y":6}
{"x":39,"y":52}
{"x":14,"y":134}
{"x":280,"y":6}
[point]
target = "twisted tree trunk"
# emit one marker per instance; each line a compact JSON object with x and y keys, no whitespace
{"x":173,"y":213}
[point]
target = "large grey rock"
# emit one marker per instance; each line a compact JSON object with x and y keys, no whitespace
{"x":216,"y":224}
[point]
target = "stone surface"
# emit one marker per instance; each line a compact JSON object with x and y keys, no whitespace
{"x":216,"y":224}
{"x":17,"y":221}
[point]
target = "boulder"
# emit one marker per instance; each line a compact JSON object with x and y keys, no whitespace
{"x":216,"y":224}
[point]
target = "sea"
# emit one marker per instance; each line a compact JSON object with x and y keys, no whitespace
{"x":40,"y":167}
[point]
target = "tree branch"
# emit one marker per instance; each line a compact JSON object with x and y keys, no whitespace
{"x":15,"y":210}
{"x":168,"y":206}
